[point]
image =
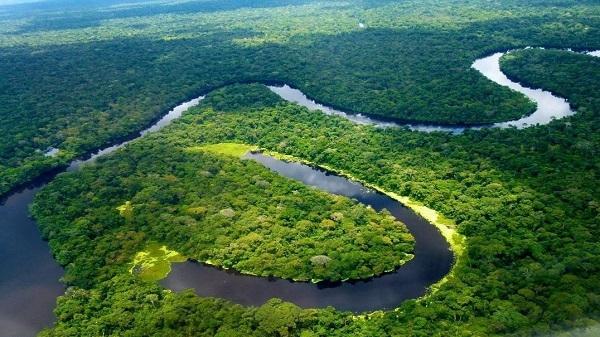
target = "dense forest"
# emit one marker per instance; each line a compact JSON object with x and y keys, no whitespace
{"x":232,"y":213}
{"x":79,"y":80}
{"x":527,"y":201}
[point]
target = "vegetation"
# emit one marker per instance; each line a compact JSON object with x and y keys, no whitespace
{"x":529,"y":67}
{"x":227,"y":149}
{"x":154,"y":262}
{"x":77,"y":79}
{"x":530,"y":264}
{"x":215,"y":209}
{"x":526,"y":201}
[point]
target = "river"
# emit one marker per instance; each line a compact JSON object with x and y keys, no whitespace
{"x":29,"y":277}
{"x":549,"y":106}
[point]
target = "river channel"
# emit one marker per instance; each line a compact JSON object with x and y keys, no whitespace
{"x":29,"y":277}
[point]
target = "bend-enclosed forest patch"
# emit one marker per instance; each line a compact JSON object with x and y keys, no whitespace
{"x":211,"y":206}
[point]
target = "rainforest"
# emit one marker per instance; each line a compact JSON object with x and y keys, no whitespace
{"x":299,"y":168}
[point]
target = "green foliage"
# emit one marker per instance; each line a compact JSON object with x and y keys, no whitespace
{"x":527,"y":208}
{"x":526,"y":200}
{"x":240,"y":215}
{"x":127,"y":307}
{"x":228,"y":149}
{"x":77,"y":81}
{"x":154,"y":262}
{"x":239,"y":96}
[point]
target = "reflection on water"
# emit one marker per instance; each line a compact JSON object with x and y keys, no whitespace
{"x":595,"y":53}
{"x":29,"y":276}
{"x":296,"y":96}
{"x":173,"y":114}
{"x":549,"y":107}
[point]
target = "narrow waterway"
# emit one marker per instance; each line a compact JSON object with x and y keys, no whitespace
{"x":29,"y":276}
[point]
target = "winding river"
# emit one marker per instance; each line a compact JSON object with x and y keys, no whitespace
{"x":549,"y":106}
{"x":29,"y":277}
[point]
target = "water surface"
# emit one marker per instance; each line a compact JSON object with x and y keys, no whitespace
{"x":595,"y":53}
{"x":29,"y":276}
{"x":549,"y":106}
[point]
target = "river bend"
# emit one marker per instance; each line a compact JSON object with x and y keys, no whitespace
{"x":432,"y":260}
{"x":29,"y":277}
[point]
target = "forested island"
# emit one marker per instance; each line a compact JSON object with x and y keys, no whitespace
{"x":525,"y":203}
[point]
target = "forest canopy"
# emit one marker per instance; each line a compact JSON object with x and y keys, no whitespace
{"x":526,"y":222}
{"x":527,"y":201}
{"x":78,"y":81}
{"x":209,"y":205}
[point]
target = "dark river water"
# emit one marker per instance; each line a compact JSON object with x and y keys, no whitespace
{"x":29,"y":277}
{"x":433,"y":259}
